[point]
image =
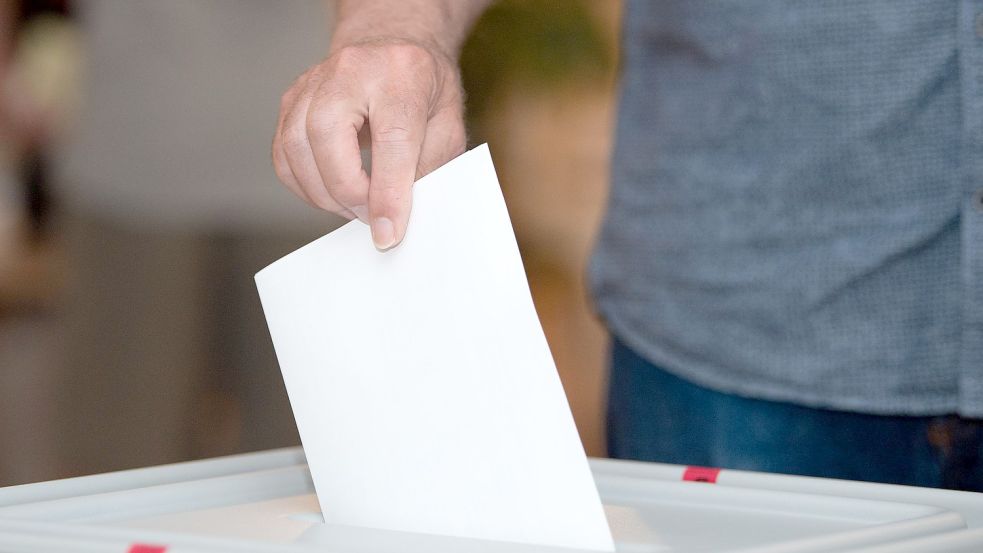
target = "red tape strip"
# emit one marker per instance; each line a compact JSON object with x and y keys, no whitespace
{"x":146,"y":548}
{"x":701,"y":474}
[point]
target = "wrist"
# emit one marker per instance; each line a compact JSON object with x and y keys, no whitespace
{"x":438,"y":25}
{"x":354,"y":35}
{"x":428,"y":44}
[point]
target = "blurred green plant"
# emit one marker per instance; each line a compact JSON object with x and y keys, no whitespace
{"x":532,"y":43}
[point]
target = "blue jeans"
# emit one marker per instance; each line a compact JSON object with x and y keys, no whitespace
{"x":655,"y":416}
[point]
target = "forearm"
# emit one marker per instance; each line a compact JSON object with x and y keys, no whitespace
{"x":443,"y":24}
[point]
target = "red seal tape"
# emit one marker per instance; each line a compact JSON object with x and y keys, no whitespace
{"x":146,"y":548}
{"x":701,"y":474}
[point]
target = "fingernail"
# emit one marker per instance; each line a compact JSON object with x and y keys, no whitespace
{"x":362,"y":213}
{"x":383,"y":233}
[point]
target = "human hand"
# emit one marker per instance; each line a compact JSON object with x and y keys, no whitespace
{"x":404,"y":96}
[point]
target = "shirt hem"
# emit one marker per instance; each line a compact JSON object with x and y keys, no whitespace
{"x":720,"y":381}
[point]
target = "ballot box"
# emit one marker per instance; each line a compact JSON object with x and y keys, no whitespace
{"x":263,"y":503}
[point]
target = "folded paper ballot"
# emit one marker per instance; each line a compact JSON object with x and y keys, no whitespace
{"x":422,"y":384}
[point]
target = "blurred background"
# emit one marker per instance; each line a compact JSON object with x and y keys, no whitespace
{"x":137,"y":200}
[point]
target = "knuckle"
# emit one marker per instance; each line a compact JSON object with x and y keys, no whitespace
{"x":329,"y":95}
{"x":348,"y":57}
{"x":394,"y":135}
{"x":325,"y":118}
{"x":408,"y":55}
{"x":402,"y":117}
{"x":294,"y":143}
{"x":321,"y":125}
{"x":344,"y":190}
{"x":401,"y":98}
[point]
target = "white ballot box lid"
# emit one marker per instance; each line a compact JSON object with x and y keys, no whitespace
{"x":264,"y":503}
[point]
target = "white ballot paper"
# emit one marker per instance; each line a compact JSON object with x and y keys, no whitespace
{"x":422,"y":384}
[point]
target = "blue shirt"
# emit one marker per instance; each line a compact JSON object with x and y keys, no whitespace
{"x":796,"y":210}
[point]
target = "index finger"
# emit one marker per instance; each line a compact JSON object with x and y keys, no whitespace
{"x":398,"y":125}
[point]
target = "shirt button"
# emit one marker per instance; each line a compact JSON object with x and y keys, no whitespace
{"x":978,"y":200}
{"x":979,"y":25}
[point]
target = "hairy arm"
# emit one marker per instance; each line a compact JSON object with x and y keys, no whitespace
{"x":391,"y":72}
